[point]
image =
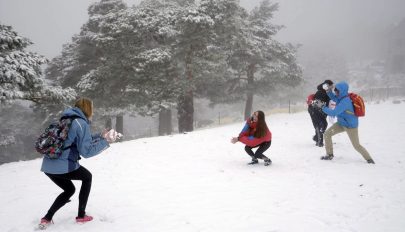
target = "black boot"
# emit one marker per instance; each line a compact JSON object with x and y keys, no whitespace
{"x":327,"y":157}
{"x":370,"y":161}
{"x":254,"y":161}
{"x":267,"y":162}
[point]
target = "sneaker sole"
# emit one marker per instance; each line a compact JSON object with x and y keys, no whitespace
{"x":42,"y":227}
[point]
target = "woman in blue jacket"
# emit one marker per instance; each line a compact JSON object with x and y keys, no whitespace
{"x":66,"y":168}
{"x":347,"y":121}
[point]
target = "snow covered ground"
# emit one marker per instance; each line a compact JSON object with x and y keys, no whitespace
{"x":200,"y":182}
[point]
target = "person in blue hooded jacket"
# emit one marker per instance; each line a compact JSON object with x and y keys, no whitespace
{"x":79,"y":142}
{"x":346,"y":121}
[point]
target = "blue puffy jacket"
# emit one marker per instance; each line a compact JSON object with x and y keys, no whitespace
{"x":83,"y":144}
{"x":344,"y":107}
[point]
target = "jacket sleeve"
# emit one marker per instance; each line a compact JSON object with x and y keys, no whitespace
{"x":86,"y":144}
{"x":245,"y":131}
{"x":332,"y":96}
{"x":340,"y":108}
{"x":251,"y":141}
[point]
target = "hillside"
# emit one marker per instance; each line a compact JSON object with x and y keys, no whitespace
{"x":200,"y":182}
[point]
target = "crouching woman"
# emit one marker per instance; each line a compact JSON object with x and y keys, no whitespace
{"x":255,"y":134}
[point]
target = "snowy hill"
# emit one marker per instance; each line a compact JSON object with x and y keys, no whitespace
{"x":200,"y":182}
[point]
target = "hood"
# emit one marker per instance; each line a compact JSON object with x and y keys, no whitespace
{"x":75,"y":112}
{"x":343,"y":88}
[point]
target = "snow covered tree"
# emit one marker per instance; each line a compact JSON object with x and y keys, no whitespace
{"x":82,"y":57}
{"x":137,"y":41}
{"x":202,"y":27}
{"x":20,"y":72}
{"x":259,"y":62}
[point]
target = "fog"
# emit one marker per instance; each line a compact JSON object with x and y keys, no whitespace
{"x":349,"y":26}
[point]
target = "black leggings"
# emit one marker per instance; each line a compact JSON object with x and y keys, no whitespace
{"x":259,"y":152}
{"x":64,"y":181}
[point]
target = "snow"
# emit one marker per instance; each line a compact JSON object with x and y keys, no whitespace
{"x":200,"y":182}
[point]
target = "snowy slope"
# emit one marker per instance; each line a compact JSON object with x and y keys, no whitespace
{"x":200,"y":182}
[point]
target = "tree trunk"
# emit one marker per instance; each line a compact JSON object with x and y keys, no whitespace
{"x":165,"y":122}
{"x":185,"y":112}
{"x":185,"y":105}
{"x":249,"y":104}
{"x":119,"y":124}
{"x":108,"y":123}
{"x":250,"y":91}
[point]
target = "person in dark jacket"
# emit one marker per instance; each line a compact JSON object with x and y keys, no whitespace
{"x":63,"y":170}
{"x":347,"y":121}
{"x":319,"y":116}
{"x":254,"y":134}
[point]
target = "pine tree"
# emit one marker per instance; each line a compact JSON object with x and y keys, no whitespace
{"x":203,"y":27}
{"x":20,"y":72}
{"x":259,"y":63}
{"x":81,"y":62}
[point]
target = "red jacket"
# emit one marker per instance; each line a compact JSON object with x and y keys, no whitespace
{"x":246,"y":136}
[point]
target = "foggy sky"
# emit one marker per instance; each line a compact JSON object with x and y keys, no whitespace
{"x":348,"y":25}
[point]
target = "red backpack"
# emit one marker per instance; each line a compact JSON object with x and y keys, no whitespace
{"x":310,"y":98}
{"x":358,"y":104}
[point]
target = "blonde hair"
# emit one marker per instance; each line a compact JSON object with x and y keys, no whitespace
{"x":86,"y":105}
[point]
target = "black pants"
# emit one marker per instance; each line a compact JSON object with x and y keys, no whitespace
{"x":259,"y":152}
{"x":311,"y":112}
{"x":64,"y":181}
{"x":320,"y":126}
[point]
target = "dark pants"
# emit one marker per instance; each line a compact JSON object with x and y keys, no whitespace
{"x":311,"y":112}
{"x":320,"y":124}
{"x":64,"y":181}
{"x":259,"y":152}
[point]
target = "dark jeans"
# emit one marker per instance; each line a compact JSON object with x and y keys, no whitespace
{"x":64,"y":181}
{"x":320,"y":124}
{"x":311,"y":112}
{"x":259,"y":152}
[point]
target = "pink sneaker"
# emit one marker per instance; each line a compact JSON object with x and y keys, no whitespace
{"x":44,"y":224}
{"x":84,"y":219}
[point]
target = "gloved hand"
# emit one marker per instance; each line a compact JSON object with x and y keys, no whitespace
{"x":234,"y":140}
{"x":318,"y":103}
{"x":111,"y":135}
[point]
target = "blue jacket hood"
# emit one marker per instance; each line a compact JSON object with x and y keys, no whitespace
{"x":75,"y":111}
{"x":343,"y":88}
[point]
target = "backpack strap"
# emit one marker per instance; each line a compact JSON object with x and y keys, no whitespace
{"x":72,"y":118}
{"x":348,"y":111}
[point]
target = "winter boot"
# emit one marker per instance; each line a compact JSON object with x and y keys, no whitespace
{"x":370,"y":161}
{"x":327,"y":157}
{"x":84,"y":219}
{"x":44,"y":223}
{"x":254,"y":161}
{"x":267,"y":162}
